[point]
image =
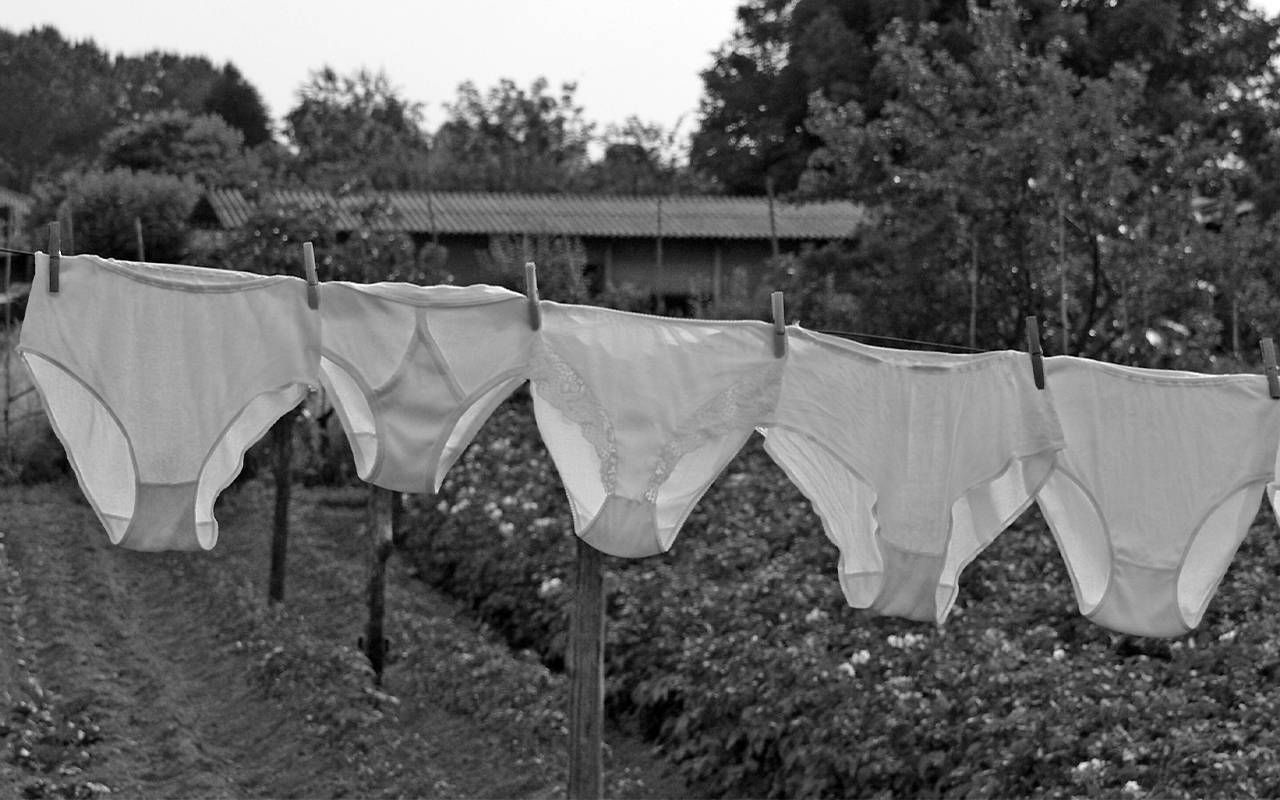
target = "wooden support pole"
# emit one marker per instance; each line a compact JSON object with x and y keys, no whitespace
{"x":586,"y":678}
{"x":381,"y":526}
{"x":137,"y":230}
{"x":282,"y":438}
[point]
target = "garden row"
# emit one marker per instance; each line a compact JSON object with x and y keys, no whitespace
{"x":737,"y":652}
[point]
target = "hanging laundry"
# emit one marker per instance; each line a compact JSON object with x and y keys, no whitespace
{"x":1162,"y":476}
{"x":414,"y":371}
{"x":641,"y":413}
{"x":158,"y":377}
{"x":914,"y":461}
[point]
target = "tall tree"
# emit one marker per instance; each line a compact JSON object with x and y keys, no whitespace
{"x":511,"y":140}
{"x":640,"y":159}
{"x":1007,"y":184}
{"x":174,"y":142}
{"x":784,"y":52}
{"x":239,"y":103}
{"x":59,"y":100}
{"x":161,"y":81}
{"x":356,"y":130}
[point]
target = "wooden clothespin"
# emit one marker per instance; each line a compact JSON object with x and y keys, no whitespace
{"x":1269,"y":366}
{"x":1033,"y":348}
{"x":779,"y":325}
{"x":313,"y":283}
{"x":531,"y":290}
{"x":55,"y":255}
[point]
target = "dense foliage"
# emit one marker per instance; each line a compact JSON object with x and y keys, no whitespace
{"x":738,"y":653}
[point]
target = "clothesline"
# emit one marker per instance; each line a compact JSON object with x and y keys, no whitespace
{"x":914,"y":460}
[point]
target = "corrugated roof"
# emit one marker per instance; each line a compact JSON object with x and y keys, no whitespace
{"x":574,"y":215}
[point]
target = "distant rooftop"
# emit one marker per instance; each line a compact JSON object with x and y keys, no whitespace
{"x":606,"y":216}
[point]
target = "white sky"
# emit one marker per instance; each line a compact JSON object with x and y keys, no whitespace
{"x":640,"y":57}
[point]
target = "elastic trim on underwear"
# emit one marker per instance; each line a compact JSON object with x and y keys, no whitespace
{"x":1163,"y":377}
{"x":178,"y":277}
{"x":885,"y":356}
{"x":764,"y":327}
{"x":436,"y":296}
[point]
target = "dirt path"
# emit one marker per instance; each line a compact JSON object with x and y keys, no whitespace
{"x":166,"y":675}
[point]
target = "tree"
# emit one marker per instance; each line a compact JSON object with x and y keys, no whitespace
{"x":756,"y":93}
{"x":203,"y":147}
{"x":105,"y":207}
{"x":160,"y":81}
{"x":784,"y":52}
{"x":1008,"y":185}
{"x":511,"y":140}
{"x":356,"y":131}
{"x":641,"y":159}
{"x":60,"y":101}
{"x":239,"y":104}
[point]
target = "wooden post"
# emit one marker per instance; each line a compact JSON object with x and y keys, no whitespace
{"x":717,"y":279}
{"x":380,"y":534}
{"x":773,"y":221}
{"x":661,"y":304}
{"x":137,"y":229}
{"x":973,"y":290}
{"x":586,"y":678}
{"x":8,"y":347}
{"x":282,"y":436}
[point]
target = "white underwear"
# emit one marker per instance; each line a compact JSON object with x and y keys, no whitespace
{"x":414,"y":371}
{"x":158,"y":377}
{"x":914,"y":461}
{"x":1161,"y":477}
{"x":641,"y":413}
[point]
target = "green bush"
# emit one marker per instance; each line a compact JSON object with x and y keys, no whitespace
{"x":738,"y":653}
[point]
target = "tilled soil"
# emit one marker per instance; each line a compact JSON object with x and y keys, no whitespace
{"x":130,"y":674}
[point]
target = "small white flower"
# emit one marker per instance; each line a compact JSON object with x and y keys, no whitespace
{"x":443,"y":506}
{"x":549,"y":587}
{"x":1059,"y":654}
{"x":1132,"y":787}
{"x":815,"y":615}
{"x":860,"y":657}
{"x":1229,"y":636}
{"x":461,"y":505}
{"x":508,"y":502}
{"x":529,"y":506}
{"x":495,"y":514}
{"x":896,"y":641}
{"x":506,"y":528}
{"x":846,"y":668}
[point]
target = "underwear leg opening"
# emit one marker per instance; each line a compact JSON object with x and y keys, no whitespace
{"x":226,"y":457}
{"x":95,"y":441}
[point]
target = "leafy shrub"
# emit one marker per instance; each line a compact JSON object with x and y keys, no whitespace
{"x":738,"y":653}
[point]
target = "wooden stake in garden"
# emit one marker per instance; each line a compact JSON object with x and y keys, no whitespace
{"x":282,"y":438}
{"x":381,"y":533}
{"x":586,"y":677}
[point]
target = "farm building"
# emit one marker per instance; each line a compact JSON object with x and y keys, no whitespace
{"x":672,"y":245}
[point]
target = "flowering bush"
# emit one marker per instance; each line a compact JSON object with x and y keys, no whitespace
{"x":738,"y":653}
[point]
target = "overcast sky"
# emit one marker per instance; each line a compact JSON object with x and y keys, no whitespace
{"x":640,"y":57}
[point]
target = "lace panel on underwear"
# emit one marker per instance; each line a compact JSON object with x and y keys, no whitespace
{"x":743,"y":405}
{"x":560,"y":385}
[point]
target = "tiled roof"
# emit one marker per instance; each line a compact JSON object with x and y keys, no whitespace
{"x":576,"y":215}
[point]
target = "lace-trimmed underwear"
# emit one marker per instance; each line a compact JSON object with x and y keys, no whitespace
{"x":640,"y":414}
{"x":1161,"y":477}
{"x":158,"y":377}
{"x":414,"y":371}
{"x":914,"y":461}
